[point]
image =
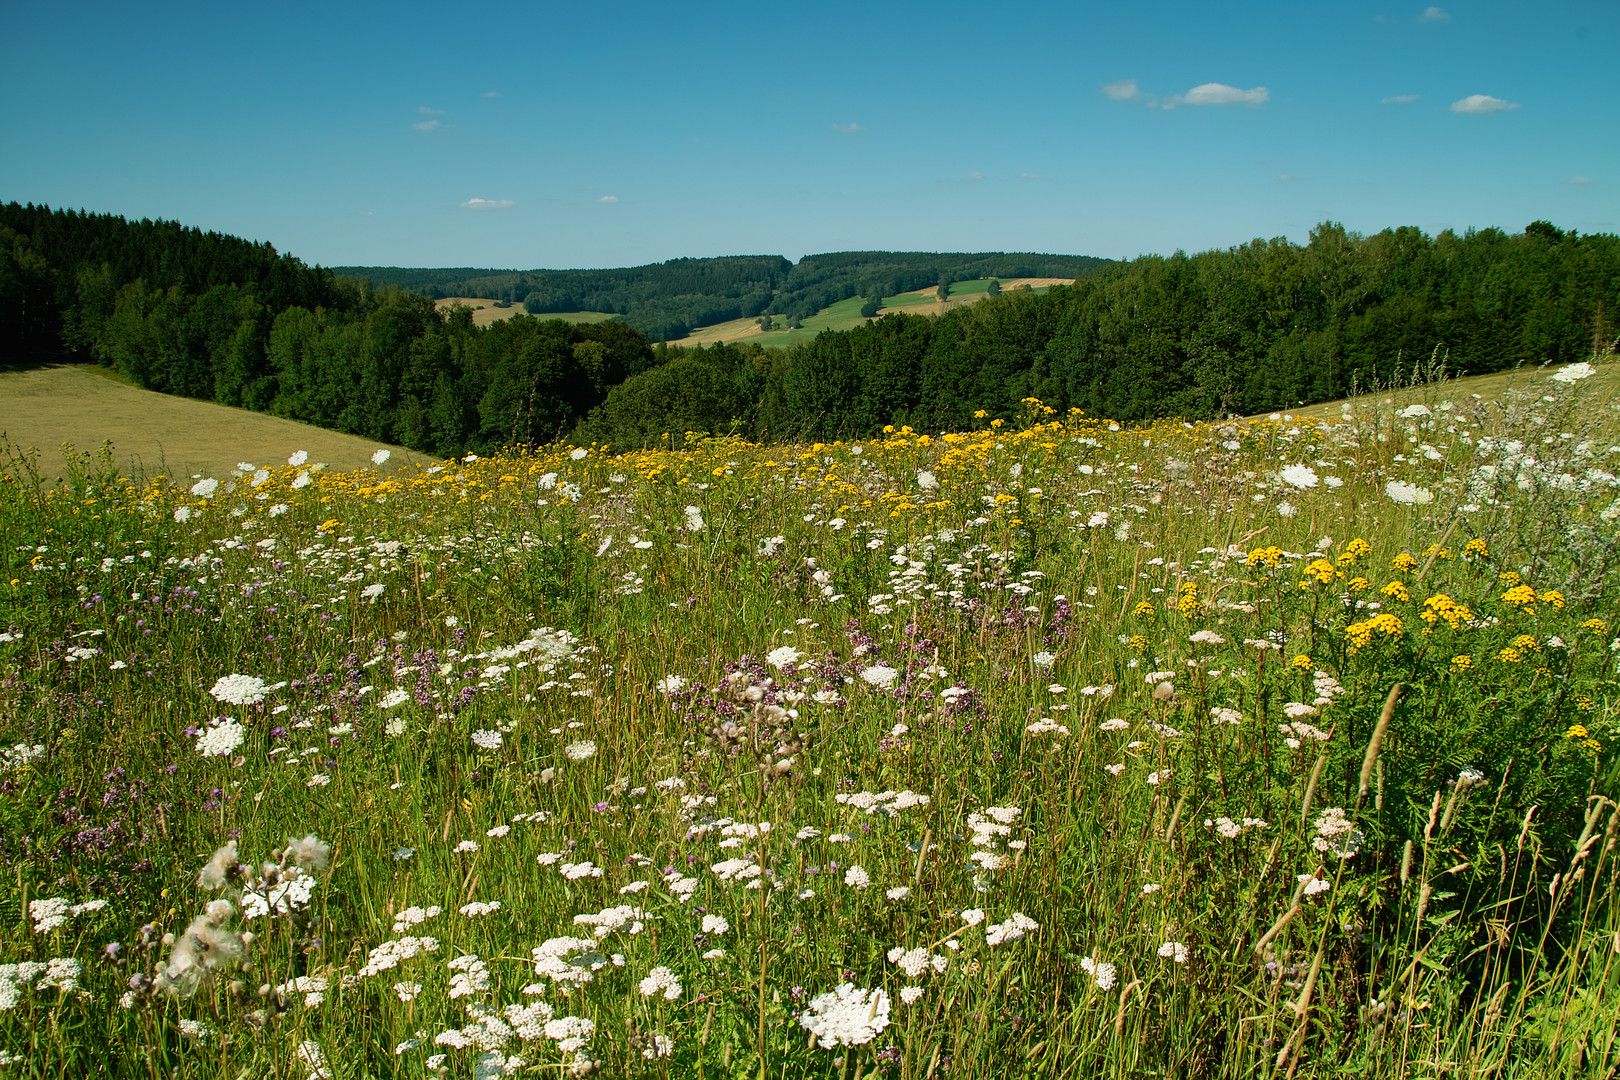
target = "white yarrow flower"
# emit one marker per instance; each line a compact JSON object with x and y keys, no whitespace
{"x":846,"y":1016}
{"x":221,"y":738}
{"x":1408,"y":494}
{"x":240,"y":689}
{"x":1573,"y":372}
{"x":1300,"y":476}
{"x":1174,"y":950}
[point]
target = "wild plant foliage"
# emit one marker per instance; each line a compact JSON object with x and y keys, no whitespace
{"x":1047,"y":748}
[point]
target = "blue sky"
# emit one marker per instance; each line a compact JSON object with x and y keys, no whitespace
{"x":621,"y":133}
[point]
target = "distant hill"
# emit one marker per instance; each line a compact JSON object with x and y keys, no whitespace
{"x":666,"y":301}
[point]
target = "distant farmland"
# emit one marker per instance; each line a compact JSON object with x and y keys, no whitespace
{"x":847,"y":313}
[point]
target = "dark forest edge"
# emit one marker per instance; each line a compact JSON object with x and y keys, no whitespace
{"x":1262,"y":326}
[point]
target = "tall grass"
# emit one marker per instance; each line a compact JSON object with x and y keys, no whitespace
{"x":1054,"y":749}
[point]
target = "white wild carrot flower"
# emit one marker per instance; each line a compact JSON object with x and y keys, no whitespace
{"x":846,"y":1016}
{"x":1174,"y":950}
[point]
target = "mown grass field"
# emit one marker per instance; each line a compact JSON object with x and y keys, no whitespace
{"x":1049,"y":749}
{"x":151,"y":434}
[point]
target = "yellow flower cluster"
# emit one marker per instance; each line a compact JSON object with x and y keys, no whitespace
{"x":1404,"y":562}
{"x":1521,"y":596}
{"x":1476,"y":549}
{"x":1265,"y":556}
{"x":1437,"y":552}
{"x":1440,"y":606}
{"x":1395,"y":590}
{"x":1322,"y":571}
{"x":1510,"y":655}
{"x":1354,"y":552}
{"x":1524,"y":598}
{"x":1361,"y":633}
{"x":1303,"y":662}
{"x":1143,"y":610}
{"x":1189,"y":603}
{"x":1595,"y":625}
{"x":1579,"y":732}
{"x":1462,"y":663}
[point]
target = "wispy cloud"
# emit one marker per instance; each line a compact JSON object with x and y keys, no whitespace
{"x":1399,"y":99}
{"x":1214,"y":93}
{"x":486,"y":204}
{"x":1577,"y":181}
{"x":362,"y":213}
{"x":848,"y":129}
{"x":1033,"y":176}
{"x":1290,"y":178}
{"x":490,"y":93}
{"x":428,"y":111}
{"x":1434,"y":14}
{"x":425,"y":125}
{"x":975,"y":175}
{"x":1123,"y":90}
{"x":608,"y":199}
{"x":1482,"y":103}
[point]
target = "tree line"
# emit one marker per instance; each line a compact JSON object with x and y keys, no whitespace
{"x":1253,"y":328}
{"x":1263,"y":326}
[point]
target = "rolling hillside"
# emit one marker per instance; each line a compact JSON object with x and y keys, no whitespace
{"x":156,"y":434}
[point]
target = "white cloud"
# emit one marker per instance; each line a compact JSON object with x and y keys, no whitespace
{"x":608,"y":199}
{"x":363,"y":213}
{"x":426,"y":111}
{"x":1123,"y":90}
{"x":425,"y":125}
{"x":1033,"y":176}
{"x":1578,"y":180}
{"x":486,"y":204}
{"x":1289,"y":178}
{"x":975,"y":176}
{"x":1482,"y":103}
{"x":490,"y":93}
{"x":1399,"y":99}
{"x":1434,"y":14}
{"x":1214,"y":93}
{"x":848,"y":129}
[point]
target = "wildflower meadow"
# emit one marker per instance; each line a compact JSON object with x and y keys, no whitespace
{"x":1054,"y":748}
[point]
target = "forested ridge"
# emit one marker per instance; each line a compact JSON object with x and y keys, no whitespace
{"x":666,"y":301}
{"x":1261,"y":326}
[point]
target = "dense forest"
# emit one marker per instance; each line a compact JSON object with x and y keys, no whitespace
{"x":1266,"y":325}
{"x":666,"y":301}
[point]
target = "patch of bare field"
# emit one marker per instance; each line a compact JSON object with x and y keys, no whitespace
{"x":1010,"y":284}
{"x":734,"y":330}
{"x":484,"y":310}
